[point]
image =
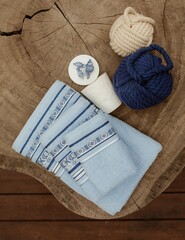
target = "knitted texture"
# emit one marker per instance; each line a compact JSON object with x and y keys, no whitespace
{"x":141,"y":79}
{"x":130,"y":32}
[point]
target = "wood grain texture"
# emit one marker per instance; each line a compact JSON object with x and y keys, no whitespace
{"x":45,"y":208}
{"x":39,"y":38}
{"x":117,"y":230}
{"x":14,"y":182}
{"x":29,"y":213}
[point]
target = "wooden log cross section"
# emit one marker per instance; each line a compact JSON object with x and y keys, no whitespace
{"x":38,"y":38}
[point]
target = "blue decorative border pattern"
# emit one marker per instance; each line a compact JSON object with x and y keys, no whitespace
{"x":71,"y":164}
{"x":46,"y":157}
{"x":94,"y":143}
{"x":69,"y":94}
{"x":58,"y":148}
{"x":38,"y":123}
{"x":74,"y":168}
{"x":49,"y":157}
{"x":95,"y":112}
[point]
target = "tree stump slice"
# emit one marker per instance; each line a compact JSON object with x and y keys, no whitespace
{"x":38,"y":38}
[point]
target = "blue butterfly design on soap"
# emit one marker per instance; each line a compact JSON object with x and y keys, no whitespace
{"x":84,"y":70}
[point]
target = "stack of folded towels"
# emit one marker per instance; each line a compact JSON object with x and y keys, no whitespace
{"x":94,"y":153}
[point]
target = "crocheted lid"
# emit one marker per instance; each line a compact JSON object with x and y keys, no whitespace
{"x":130,"y":32}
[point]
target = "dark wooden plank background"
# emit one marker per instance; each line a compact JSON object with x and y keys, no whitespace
{"x":38,"y":39}
{"x":28,"y":211}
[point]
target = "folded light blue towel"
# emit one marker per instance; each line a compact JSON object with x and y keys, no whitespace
{"x":102,"y":149}
{"x":143,"y":149}
{"x":53,"y":141}
{"x":105,"y":158}
{"x":55,"y":102}
{"x":56,"y":156}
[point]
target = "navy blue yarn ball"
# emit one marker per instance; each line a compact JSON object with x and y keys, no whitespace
{"x":141,"y":79}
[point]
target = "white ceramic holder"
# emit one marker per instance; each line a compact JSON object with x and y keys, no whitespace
{"x":102,"y":94}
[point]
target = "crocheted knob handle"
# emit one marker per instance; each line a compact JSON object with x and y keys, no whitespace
{"x":130,"y":10}
{"x":131,"y":17}
{"x":158,"y":69}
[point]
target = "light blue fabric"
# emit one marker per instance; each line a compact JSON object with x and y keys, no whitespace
{"x":55,"y":103}
{"x":57,"y":99}
{"x":53,"y":106}
{"x":144,"y":151}
{"x":56,"y":155}
{"x":105,"y":169}
{"x":105,"y":158}
{"x":68,"y":121}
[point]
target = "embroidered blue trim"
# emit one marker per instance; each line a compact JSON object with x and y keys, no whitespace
{"x":40,"y":156}
{"x":79,"y":173}
{"x":35,"y":150}
{"x":42,"y":118}
{"x":52,"y":161}
{"x":58,"y":110}
{"x":81,"y":177}
{"x":77,"y":99}
{"x":95,"y":112}
{"x":63,"y":130}
{"x":89,"y":134}
{"x":46,"y":157}
{"x":67,"y":101}
{"x":70,"y":164}
{"x":59,"y":164}
{"x":64,"y":157}
{"x":95,"y":143}
{"x":75,"y":167}
{"x":57,"y":150}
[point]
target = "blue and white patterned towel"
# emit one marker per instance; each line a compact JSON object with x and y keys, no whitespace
{"x":55,"y":102}
{"x":104,"y":156}
{"x":57,"y":156}
{"x":86,"y":128}
{"x":144,"y":151}
{"x":61,"y":100}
